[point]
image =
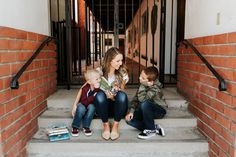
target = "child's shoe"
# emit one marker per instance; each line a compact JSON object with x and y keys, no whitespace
{"x":146,"y":134}
{"x":75,"y":132}
{"x":87,"y":131}
{"x":160,"y":130}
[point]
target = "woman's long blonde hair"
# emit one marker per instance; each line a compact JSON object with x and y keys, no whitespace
{"x":109,"y":56}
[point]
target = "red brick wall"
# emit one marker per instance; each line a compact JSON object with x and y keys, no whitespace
{"x":20,"y":108}
{"x":215,"y":110}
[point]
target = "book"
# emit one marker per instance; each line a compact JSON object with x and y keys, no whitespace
{"x":104,"y":85}
{"x":58,"y":132}
{"x":60,"y":137}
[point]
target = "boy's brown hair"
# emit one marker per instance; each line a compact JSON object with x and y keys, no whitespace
{"x":152,"y":73}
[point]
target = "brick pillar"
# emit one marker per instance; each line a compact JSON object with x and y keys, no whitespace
{"x":20,"y":108}
{"x":214,"y":109}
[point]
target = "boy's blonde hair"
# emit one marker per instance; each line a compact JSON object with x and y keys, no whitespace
{"x":89,"y":74}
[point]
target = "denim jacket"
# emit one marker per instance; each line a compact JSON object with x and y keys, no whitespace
{"x":152,"y":93}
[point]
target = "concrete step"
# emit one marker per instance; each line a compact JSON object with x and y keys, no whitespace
{"x":173,"y":118}
{"x":65,"y":98}
{"x":181,"y":142}
{"x":182,"y":138}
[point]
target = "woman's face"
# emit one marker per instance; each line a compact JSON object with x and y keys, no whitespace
{"x":117,"y":61}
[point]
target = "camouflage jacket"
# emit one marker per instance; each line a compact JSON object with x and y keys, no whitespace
{"x":152,"y":93}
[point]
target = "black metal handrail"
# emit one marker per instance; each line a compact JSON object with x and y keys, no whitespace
{"x":14,"y":81}
{"x":222,"y":85}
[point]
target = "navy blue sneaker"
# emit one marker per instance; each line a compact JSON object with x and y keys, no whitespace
{"x":146,"y":134}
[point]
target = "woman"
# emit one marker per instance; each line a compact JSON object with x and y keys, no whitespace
{"x":106,"y":103}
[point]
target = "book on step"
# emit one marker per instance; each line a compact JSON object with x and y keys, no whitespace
{"x":58,"y":132}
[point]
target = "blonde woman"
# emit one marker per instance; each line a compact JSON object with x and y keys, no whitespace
{"x":108,"y":104}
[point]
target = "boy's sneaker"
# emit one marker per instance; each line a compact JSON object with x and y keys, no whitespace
{"x":87,"y":131}
{"x":160,"y":130}
{"x":146,"y":134}
{"x":75,"y":132}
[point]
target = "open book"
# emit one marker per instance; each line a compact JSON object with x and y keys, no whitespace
{"x":104,"y":85}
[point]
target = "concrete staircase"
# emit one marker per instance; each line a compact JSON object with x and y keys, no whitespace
{"x":182,"y":138}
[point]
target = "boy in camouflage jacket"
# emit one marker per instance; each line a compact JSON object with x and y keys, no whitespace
{"x":147,"y":104}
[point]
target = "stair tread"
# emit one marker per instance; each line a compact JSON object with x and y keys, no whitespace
{"x":64,"y":98}
{"x":66,"y":113}
{"x":130,"y":136}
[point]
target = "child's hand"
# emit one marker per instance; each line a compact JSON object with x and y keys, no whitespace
{"x":129,"y":116}
{"x":73,"y":110}
{"x":150,"y":83}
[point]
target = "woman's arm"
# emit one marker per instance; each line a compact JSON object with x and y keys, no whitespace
{"x":77,"y":100}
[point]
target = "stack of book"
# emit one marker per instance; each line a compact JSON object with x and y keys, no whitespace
{"x":58,"y":133}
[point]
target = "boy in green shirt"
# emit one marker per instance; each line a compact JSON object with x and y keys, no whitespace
{"x":147,"y":104}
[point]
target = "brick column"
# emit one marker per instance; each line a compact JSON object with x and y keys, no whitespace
{"x":20,"y":108}
{"x":216,"y":110}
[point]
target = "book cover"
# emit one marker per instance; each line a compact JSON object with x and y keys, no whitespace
{"x":56,"y":128}
{"x":58,"y":132}
{"x":104,"y":85}
{"x":60,"y":137}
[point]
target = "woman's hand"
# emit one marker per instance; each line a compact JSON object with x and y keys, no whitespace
{"x":109,"y":95}
{"x":116,"y":87}
{"x":129,"y":116}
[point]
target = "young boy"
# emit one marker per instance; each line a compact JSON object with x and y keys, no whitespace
{"x":83,"y":108}
{"x":147,"y":104}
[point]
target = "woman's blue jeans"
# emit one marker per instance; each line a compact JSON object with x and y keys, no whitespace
{"x":107,"y":108}
{"x":85,"y":114}
{"x":145,"y":115}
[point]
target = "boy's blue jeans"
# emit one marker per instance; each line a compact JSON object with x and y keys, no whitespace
{"x":107,"y":108}
{"x":85,"y":114}
{"x":145,"y":115}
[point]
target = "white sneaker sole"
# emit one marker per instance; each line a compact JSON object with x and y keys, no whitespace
{"x":86,"y":134}
{"x":74,"y":135}
{"x":146,"y":137}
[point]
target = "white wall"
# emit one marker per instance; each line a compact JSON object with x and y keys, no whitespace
{"x":28,"y":15}
{"x":209,"y":17}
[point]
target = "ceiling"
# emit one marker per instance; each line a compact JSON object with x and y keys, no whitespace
{"x":106,"y":8}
